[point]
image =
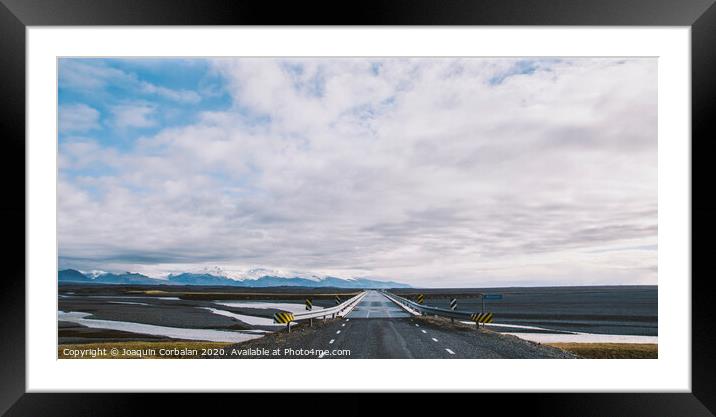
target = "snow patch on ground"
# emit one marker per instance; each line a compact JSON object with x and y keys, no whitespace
{"x":252,"y":320}
{"x":517,"y":326}
{"x":290,"y":307}
{"x":571,"y":337}
{"x":584,"y":338}
{"x":127,"y":302}
{"x":173,"y":332}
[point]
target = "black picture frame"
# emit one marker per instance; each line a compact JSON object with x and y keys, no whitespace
{"x":16,"y":15}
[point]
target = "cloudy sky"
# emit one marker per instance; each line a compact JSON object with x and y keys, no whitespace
{"x":432,"y":172}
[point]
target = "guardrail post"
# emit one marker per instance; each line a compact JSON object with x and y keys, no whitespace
{"x":289,"y":326}
{"x":310,"y":322}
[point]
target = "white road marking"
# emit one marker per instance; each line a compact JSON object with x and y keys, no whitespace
{"x":331,"y":342}
{"x":338,"y":332}
{"x":450,"y":351}
{"x":343,"y":325}
{"x":417,"y":325}
{"x":423,"y":331}
{"x":348,"y":319}
{"x":435,"y":340}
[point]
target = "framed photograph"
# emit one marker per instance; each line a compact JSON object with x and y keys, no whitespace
{"x":491,"y":199}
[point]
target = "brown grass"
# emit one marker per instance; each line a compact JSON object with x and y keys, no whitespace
{"x":611,"y":350}
{"x":62,"y":350}
{"x":447,"y":323}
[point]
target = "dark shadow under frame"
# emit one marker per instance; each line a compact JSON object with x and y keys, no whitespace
{"x":15,"y":15}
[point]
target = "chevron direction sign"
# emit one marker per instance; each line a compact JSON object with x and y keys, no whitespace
{"x":283,"y":318}
{"x":482,"y":317}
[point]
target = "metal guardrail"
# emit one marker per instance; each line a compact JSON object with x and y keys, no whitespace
{"x":332,"y":312}
{"x":400,"y":301}
{"x":341,"y":309}
{"x":416,"y":309}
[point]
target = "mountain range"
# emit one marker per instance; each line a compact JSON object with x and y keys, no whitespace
{"x":187,"y":278}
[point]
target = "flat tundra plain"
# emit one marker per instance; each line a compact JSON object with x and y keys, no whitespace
{"x":91,"y":315}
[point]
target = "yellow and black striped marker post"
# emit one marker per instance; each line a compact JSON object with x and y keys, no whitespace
{"x":338,"y":300}
{"x":284,"y":318}
{"x":481,"y":318}
{"x":309,"y":304}
{"x":420,"y":298}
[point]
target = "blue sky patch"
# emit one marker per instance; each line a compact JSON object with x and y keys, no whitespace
{"x":116,"y":101}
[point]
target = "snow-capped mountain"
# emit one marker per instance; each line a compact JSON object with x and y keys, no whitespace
{"x":216,"y":276}
{"x":94,"y":273}
{"x":257,"y":273}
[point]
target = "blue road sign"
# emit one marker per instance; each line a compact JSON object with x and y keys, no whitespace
{"x":492,"y":297}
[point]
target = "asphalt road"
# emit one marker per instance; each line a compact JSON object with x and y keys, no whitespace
{"x":378,"y":329}
{"x":375,"y":306}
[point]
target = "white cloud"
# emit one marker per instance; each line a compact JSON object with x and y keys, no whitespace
{"x":133,"y":115}
{"x":89,"y":75}
{"x":93,"y":77}
{"x":77,"y":118}
{"x":417,"y":170}
{"x":184,"y":96}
